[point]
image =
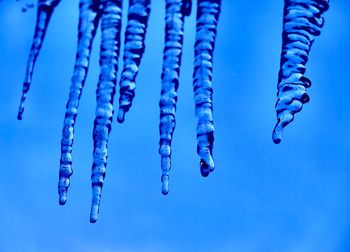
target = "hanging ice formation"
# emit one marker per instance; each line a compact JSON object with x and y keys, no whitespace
{"x":44,"y":12}
{"x":175,"y":12}
{"x":91,"y":12}
{"x":207,"y":17}
{"x":110,"y":45}
{"x":134,"y":47}
{"x":89,"y":17}
{"x":302,"y":22}
{"x":208,"y":12}
{"x":108,"y":13}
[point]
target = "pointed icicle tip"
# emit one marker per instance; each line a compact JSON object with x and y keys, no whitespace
{"x":62,"y":198}
{"x":121,"y":115}
{"x":166,"y":165}
{"x":63,"y":183}
{"x":206,"y":166}
{"x":165,"y":185}
{"x":94,"y":213}
{"x":96,"y":200}
{"x":187,"y":7}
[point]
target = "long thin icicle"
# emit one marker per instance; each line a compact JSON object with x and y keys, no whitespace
{"x":110,"y":45}
{"x":44,"y":12}
{"x":207,"y":19}
{"x":302,"y":22}
{"x":89,"y":15}
{"x":134,"y":47}
{"x":176,"y":10}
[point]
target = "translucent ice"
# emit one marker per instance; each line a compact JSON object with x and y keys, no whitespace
{"x":109,"y":54}
{"x":302,"y":22}
{"x":176,"y":10}
{"x":134,"y":47}
{"x":109,"y":13}
{"x":44,"y":12}
{"x":208,"y":12}
{"x":89,"y":15}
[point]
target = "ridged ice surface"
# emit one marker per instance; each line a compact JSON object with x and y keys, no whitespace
{"x":44,"y":12}
{"x":109,"y":14}
{"x":134,"y":47}
{"x":89,"y":15}
{"x":208,"y":12}
{"x":110,"y":45}
{"x":302,"y":22}
{"x":176,"y":10}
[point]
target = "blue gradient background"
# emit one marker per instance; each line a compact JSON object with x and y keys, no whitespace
{"x":292,"y":197}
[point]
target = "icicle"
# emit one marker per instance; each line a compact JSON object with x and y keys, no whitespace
{"x":45,"y":10}
{"x":207,"y":18}
{"x":89,"y":15}
{"x":174,"y":30}
{"x":302,"y":22}
{"x":134,"y":48}
{"x":110,"y":44}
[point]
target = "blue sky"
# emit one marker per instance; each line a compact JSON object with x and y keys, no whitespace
{"x":292,"y":197}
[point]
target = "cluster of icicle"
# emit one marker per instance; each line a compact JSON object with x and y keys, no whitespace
{"x":302,"y":22}
{"x":108,"y":13}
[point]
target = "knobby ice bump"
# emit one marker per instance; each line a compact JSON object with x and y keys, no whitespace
{"x":134,"y":47}
{"x":302,"y":22}
{"x":175,"y":12}
{"x":208,"y":12}
{"x":44,"y":12}
{"x":89,"y":16}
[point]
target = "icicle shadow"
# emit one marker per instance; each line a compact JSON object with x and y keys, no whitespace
{"x":208,"y":12}
{"x":176,"y":10}
{"x":44,"y":13}
{"x":302,"y":22}
{"x":89,"y":16}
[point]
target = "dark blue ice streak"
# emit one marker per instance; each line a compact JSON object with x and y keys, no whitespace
{"x":43,"y":16}
{"x":134,"y":47}
{"x":89,"y":15}
{"x":208,"y":12}
{"x":174,"y":31}
{"x":302,"y":22}
{"x":110,"y":45}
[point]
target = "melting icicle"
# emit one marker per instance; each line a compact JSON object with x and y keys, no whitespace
{"x":89,"y":15}
{"x":302,"y":22}
{"x":45,"y":10}
{"x":134,"y":48}
{"x":174,"y":30}
{"x":110,"y":44}
{"x":207,"y":19}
